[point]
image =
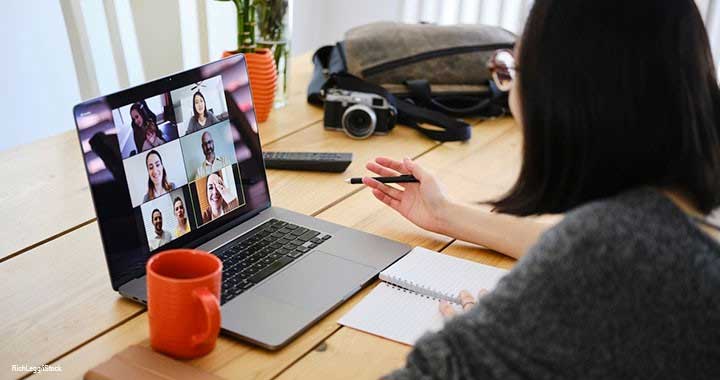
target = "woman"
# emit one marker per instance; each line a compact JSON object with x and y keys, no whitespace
{"x":140,"y":118}
{"x":153,"y":136}
{"x":620,"y":111}
{"x":157,"y":177}
{"x":201,"y":116}
{"x":183,"y":225}
{"x":220,"y":198}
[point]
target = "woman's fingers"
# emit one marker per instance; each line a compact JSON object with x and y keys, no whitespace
{"x":381,"y":170}
{"x":389,"y":190}
{"x":392,"y":164}
{"x":466,"y":300}
{"x":384,"y":198}
{"x":446,"y":309}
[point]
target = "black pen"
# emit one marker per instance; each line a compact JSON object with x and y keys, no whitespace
{"x":399,"y":179}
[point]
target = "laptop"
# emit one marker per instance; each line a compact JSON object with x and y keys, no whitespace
{"x":177,"y":163}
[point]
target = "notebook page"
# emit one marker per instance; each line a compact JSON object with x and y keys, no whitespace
{"x":395,"y":314}
{"x":439,"y":275}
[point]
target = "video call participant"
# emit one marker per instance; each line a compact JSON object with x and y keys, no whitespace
{"x":141,"y":117}
{"x":219,"y":197}
{"x":157,"y":177}
{"x":161,"y":236}
{"x":153,"y":136}
{"x":212,"y":162}
{"x":183,"y":226}
{"x":201,"y":116}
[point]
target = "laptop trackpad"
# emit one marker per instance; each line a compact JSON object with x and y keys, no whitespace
{"x":316,"y":283}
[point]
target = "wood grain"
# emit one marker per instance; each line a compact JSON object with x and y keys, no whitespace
{"x":45,"y":192}
{"x":55,"y":297}
{"x":359,"y":210}
{"x":300,"y":191}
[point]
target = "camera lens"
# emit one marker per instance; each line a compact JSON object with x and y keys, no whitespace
{"x":359,"y":121}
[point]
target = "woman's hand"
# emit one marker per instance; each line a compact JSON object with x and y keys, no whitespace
{"x":466,"y":299}
{"x":226,"y":194}
{"x":422,"y":203}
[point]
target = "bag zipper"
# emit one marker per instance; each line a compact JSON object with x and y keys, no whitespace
{"x":430,"y":55}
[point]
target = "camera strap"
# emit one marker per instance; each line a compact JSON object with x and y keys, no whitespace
{"x":448,"y":128}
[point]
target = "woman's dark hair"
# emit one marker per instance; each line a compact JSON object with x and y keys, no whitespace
{"x":195,"y":112}
{"x":165,"y":184}
{"x":615,"y":95}
{"x":142,"y":108}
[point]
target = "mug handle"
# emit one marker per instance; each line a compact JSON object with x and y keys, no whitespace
{"x":212,"y":315}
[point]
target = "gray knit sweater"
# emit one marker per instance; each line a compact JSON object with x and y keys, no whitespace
{"x":623,"y":288}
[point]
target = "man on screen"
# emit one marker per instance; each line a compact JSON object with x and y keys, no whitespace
{"x":161,"y":236}
{"x":212,"y":162}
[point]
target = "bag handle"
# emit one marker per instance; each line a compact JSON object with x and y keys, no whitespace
{"x":420,"y":91}
{"x":408,"y":113}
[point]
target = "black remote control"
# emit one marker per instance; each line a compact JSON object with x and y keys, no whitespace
{"x":312,"y":161}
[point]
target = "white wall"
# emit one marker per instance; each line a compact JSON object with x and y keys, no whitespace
{"x":39,"y":87}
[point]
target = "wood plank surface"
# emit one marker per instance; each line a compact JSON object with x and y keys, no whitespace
{"x":359,"y":210}
{"x":299,"y":191}
{"x":45,"y":181}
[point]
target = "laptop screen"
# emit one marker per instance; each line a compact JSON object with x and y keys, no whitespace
{"x":172,"y":163}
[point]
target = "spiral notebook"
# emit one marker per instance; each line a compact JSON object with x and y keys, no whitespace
{"x":405,"y":305}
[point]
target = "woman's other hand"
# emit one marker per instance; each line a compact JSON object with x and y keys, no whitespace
{"x":466,"y":299}
{"x":226,"y":194}
{"x":422,"y":203}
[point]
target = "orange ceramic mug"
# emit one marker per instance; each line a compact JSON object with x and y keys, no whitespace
{"x":183,"y":292}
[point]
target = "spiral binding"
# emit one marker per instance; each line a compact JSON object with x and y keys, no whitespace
{"x":413,"y":287}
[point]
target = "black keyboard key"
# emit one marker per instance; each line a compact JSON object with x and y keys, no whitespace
{"x":326,"y":237}
{"x":302,"y":249}
{"x":245,"y":285}
{"x":291,"y":227}
{"x":316,"y":240}
{"x":283,"y":251}
{"x":299,"y":231}
{"x":284,"y":241}
{"x":272,"y":268}
{"x":275,"y":255}
{"x":312,"y":245}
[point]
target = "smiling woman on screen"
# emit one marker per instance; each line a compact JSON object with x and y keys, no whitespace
{"x":201,"y":117}
{"x":157,"y":177}
{"x":619,"y":106}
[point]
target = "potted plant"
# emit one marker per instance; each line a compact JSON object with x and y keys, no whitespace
{"x":274,"y":26}
{"x":260,"y":62}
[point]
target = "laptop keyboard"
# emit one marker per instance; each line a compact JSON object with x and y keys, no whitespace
{"x":263,"y":251}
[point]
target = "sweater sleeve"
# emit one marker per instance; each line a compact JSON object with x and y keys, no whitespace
{"x":534,"y":324}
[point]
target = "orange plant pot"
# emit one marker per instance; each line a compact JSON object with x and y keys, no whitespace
{"x":263,"y":80}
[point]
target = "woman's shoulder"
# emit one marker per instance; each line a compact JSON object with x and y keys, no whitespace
{"x":637,"y":225}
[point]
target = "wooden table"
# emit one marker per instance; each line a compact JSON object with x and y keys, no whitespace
{"x":57,"y":304}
